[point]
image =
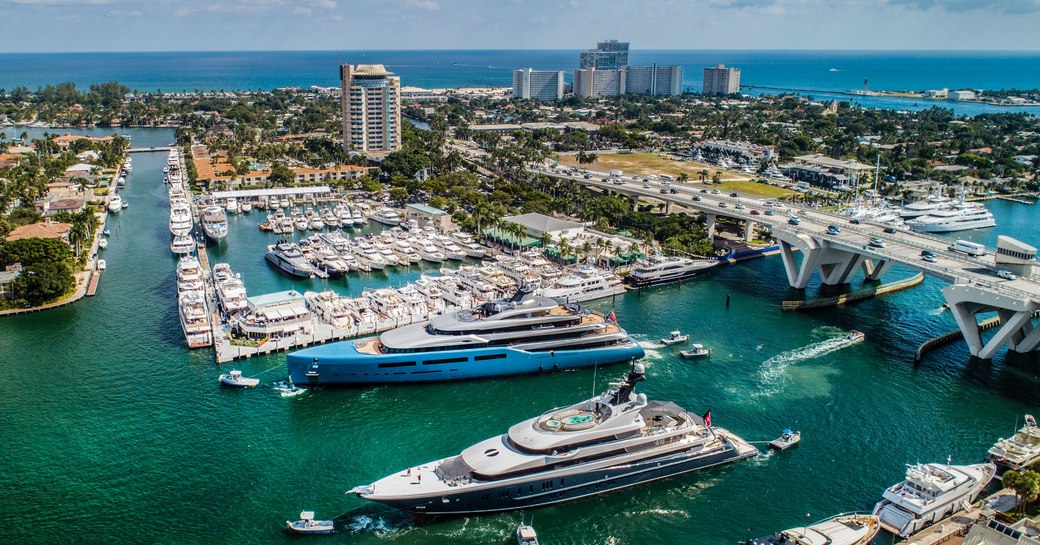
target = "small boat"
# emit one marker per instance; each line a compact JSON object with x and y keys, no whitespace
{"x":101,"y":265}
{"x":126,"y":204}
{"x":103,"y":243}
{"x":855,"y":336}
{"x":236,"y":380}
{"x":106,"y":232}
{"x":115,"y":204}
{"x":786,"y":440}
{"x":697,"y":350}
{"x":525,"y":535}
{"x":307,"y":525}
{"x":675,"y":338}
{"x":850,"y":529}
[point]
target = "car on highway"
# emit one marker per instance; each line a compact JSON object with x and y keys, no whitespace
{"x":890,"y":230}
{"x":716,"y":192}
{"x":740,"y":206}
{"x":722,"y":205}
{"x":855,"y":221}
{"x":769,"y":212}
{"x":733,"y":195}
{"x":833,"y":229}
{"x":646,"y":185}
{"x":1006,"y":274}
{"x":755,"y":212}
{"x":704,"y":191}
{"x":664,"y":190}
{"x":925,"y":253}
{"x":696,"y":197}
{"x":588,"y":176}
{"x":673,"y":191}
{"x":877,"y":242}
{"x":619,"y":181}
{"x":794,"y":220}
{"x":929,"y":258}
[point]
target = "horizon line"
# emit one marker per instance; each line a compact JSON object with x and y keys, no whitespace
{"x":402,"y":50}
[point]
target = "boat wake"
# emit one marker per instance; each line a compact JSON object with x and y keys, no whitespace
{"x":654,"y":351}
{"x":773,"y":373}
{"x":374,"y":525}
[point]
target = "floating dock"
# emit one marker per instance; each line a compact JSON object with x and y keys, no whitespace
{"x":857,"y":295}
{"x":92,"y":285}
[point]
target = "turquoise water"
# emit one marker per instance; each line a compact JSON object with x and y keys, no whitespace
{"x":265,"y":70}
{"x":112,"y":429}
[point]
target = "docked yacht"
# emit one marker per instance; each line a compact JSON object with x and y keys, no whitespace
{"x":115,"y":204}
{"x":231,"y":205}
{"x":609,"y":442}
{"x":526,"y":333}
{"x":180,"y":219}
{"x":663,"y":269}
{"x":214,"y":223}
{"x":428,"y":251}
{"x":231,"y":291}
{"x":934,"y":202}
{"x":586,"y":284}
{"x":331,"y":308}
{"x":387,"y":216}
{"x":850,"y":529}
{"x":448,"y":246}
{"x":194,"y":317}
{"x":469,"y":245}
{"x":182,"y":245}
{"x":1020,"y":450}
{"x":287,"y":257}
{"x":189,"y":275}
{"x":959,"y":217}
{"x":405,"y":253}
{"x":930,"y":493}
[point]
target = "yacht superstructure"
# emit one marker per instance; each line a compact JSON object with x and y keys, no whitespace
{"x":930,"y":493}
{"x":585,"y":284}
{"x":1019,"y":451}
{"x":662,"y":269}
{"x":611,"y":441}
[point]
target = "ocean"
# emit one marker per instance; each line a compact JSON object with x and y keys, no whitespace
{"x":112,"y":429}
{"x":814,"y":70}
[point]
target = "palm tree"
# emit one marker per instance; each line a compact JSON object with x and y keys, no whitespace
{"x":545,"y":239}
{"x":78,"y":235}
{"x":565,"y":248}
{"x":704,"y":175}
{"x":716,"y":178}
{"x":683,"y":177}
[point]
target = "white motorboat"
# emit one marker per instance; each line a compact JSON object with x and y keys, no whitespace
{"x":194,"y":317}
{"x":180,"y":219}
{"x":586,"y":284}
{"x":854,"y":336}
{"x":659,"y":269}
{"x":214,"y":223}
{"x":697,"y":350}
{"x":115,"y":204}
{"x":387,"y":216}
{"x":235,"y":379}
{"x":428,"y":251}
{"x":959,"y":217}
{"x":101,"y":265}
{"x":675,"y":337}
{"x":182,"y":245}
{"x":930,"y":493}
{"x":331,"y":308}
{"x":103,"y":243}
{"x":308,"y":526}
{"x":232,"y":205}
{"x":525,"y":535}
{"x":126,"y":204}
{"x":1020,"y":450}
{"x":934,"y":202}
{"x":787,"y":439}
{"x":245,"y":206}
{"x":844,"y":529}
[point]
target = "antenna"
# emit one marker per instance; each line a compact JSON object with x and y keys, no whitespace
{"x":595,"y":368}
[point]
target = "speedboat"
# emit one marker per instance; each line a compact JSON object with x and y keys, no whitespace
{"x":308,"y":526}
{"x":103,"y":243}
{"x":930,"y":493}
{"x":525,"y":535}
{"x":101,"y":265}
{"x":126,"y":204}
{"x":1020,"y":450}
{"x":845,"y":529}
{"x":115,"y":204}
{"x":106,"y":231}
{"x":854,"y":336}
{"x":235,"y":379}
{"x":786,"y":440}
{"x":697,"y":350}
{"x":675,"y":337}
{"x":612,"y":441}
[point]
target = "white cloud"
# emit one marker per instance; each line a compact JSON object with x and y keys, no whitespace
{"x":431,"y":5}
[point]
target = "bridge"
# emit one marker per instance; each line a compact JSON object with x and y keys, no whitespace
{"x":837,"y":258}
{"x":149,"y":150}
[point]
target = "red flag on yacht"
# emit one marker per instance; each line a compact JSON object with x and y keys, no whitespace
{"x":611,"y":317}
{"x":707,"y":418}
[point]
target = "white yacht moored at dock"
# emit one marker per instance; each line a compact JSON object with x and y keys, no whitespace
{"x":930,"y":493}
{"x":1019,"y":451}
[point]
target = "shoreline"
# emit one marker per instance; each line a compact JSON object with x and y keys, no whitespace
{"x":903,"y":95}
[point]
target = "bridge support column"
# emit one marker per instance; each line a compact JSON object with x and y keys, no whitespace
{"x":836,"y":265}
{"x":749,"y":231}
{"x":841,"y":271}
{"x":1016,"y":330}
{"x":873,"y":269}
{"x":798,"y":275}
{"x":709,"y":224}
{"x":667,"y":207}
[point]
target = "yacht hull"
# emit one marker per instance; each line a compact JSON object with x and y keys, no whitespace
{"x":567,"y":484}
{"x":636,"y":282}
{"x":341,"y":363}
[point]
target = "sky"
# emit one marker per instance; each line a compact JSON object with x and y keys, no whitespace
{"x":188,"y":25}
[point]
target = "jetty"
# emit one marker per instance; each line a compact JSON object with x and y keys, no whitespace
{"x":947,"y":338}
{"x":92,"y":286}
{"x":834,"y":300}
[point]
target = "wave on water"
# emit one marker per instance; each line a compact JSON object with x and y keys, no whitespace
{"x":773,"y":371}
{"x":375,"y":524}
{"x":654,"y":351}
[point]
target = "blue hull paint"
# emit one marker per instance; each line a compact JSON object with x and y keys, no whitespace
{"x":340,"y":363}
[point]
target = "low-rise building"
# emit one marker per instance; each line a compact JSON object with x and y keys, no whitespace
{"x":422,"y":214}
{"x":539,"y":224}
{"x":51,"y":230}
{"x":7,"y":277}
{"x":71,"y":205}
{"x":274,"y":316}
{"x":961,"y":95}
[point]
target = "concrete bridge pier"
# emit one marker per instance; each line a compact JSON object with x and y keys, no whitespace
{"x":709,"y":225}
{"x":835,"y":265}
{"x":1017,"y":330}
{"x":749,"y":231}
{"x":635,"y":202}
{"x":874,"y":268}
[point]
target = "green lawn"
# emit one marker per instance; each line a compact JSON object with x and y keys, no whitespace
{"x":755,"y":189}
{"x":649,"y":163}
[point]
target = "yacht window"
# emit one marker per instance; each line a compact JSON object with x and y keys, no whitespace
{"x":489,"y":357}
{"x":397,"y":364}
{"x":446,"y":360}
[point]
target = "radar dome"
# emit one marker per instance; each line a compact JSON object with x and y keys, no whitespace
{"x":638,"y":368}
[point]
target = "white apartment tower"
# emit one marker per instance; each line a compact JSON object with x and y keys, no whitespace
{"x":539,"y":84}
{"x":719,"y":80}
{"x":371,"y":107}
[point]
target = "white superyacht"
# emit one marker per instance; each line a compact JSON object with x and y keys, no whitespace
{"x":586,"y":284}
{"x":930,"y":493}
{"x":1020,"y":450}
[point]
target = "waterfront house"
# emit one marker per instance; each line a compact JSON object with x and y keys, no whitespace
{"x":274,"y":316}
{"x":7,"y":277}
{"x":59,"y":231}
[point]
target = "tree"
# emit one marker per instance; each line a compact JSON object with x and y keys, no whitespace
{"x":282,"y":175}
{"x":683,"y":177}
{"x":716,"y":178}
{"x":545,"y":239}
{"x":43,"y":282}
{"x":704,"y":175}
{"x":32,"y":251}
{"x":1026,"y":485}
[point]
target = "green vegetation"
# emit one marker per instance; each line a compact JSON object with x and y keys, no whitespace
{"x":46,"y":274}
{"x":1026,"y":485}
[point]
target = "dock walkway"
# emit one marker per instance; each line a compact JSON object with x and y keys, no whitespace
{"x":855,"y":295}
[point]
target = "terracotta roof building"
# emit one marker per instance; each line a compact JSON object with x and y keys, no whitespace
{"x":40,"y":230}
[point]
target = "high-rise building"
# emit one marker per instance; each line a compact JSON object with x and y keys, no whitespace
{"x":654,"y":80}
{"x":609,"y":55}
{"x":371,"y":106}
{"x":719,"y":80}
{"x":590,"y":82}
{"x":539,"y":84}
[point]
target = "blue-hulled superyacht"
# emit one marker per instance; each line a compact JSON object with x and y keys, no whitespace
{"x":526,"y":333}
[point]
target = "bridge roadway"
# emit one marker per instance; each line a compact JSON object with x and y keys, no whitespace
{"x":836,"y":258}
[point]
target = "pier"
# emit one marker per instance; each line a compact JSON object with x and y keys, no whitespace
{"x":857,"y":295}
